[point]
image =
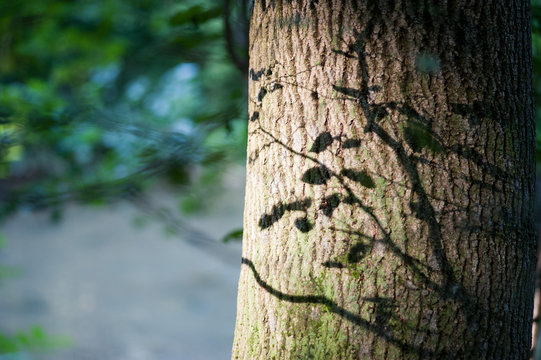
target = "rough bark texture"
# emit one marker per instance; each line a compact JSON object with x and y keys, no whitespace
{"x":390,"y":181}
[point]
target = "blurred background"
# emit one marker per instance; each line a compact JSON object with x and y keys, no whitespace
{"x":122,"y":140}
{"x":122,"y":151}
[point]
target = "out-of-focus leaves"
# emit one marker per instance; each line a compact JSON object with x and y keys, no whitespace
{"x":8,"y":272}
{"x":190,"y":204}
{"x":177,"y":174}
{"x":214,"y":157}
{"x":35,"y":339}
{"x":196,"y":15}
{"x":107,"y":96}
{"x":535,"y":10}
{"x":192,"y":42}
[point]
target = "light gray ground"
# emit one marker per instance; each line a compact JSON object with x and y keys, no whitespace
{"x":122,"y":292}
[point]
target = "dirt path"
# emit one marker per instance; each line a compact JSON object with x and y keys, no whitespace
{"x":122,"y":292}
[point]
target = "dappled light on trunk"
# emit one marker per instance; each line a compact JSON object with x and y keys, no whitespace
{"x":406,"y":134}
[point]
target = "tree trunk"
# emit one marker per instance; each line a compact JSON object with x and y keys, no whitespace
{"x":390,"y":181}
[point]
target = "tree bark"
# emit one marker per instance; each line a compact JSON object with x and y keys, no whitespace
{"x":390,"y":181}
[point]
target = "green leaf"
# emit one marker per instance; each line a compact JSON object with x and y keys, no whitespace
{"x":235,"y":235}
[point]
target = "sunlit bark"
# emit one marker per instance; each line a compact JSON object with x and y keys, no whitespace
{"x":390,"y":180}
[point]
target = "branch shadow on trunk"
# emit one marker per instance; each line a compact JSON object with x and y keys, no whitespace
{"x":383,"y":313}
{"x":418,"y":139}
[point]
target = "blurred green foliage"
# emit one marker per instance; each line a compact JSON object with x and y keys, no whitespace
{"x":99,"y":98}
{"x":24,"y":343}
